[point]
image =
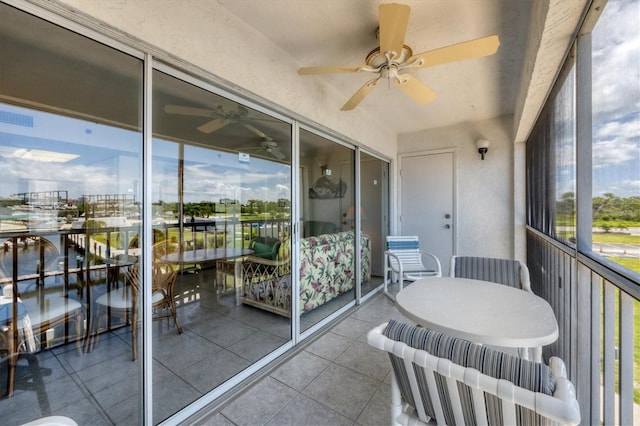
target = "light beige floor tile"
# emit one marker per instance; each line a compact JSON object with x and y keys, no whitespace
{"x":330,"y":346}
{"x":365,"y":359}
{"x":260,"y":403}
{"x":305,"y":411}
{"x":343,"y":390}
{"x":299,"y":371}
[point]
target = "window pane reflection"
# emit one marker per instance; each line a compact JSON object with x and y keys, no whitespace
{"x":70,"y":155}
{"x":222,"y":216}
{"x":327,"y":249}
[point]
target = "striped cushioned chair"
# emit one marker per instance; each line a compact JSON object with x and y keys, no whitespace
{"x":453,"y":381}
{"x":405,"y":261}
{"x":502,"y":271}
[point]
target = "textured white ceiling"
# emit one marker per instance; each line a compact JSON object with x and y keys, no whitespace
{"x":342,"y":32}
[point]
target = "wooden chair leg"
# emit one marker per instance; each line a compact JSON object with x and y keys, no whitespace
{"x":174,"y":313}
{"x":12,"y":360}
{"x":134,"y":334}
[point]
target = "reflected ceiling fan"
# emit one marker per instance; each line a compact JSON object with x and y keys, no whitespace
{"x":219,"y":117}
{"x":393,"y":60}
{"x":268,"y":146}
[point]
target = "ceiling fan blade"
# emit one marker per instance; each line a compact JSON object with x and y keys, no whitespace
{"x":415,"y":88}
{"x":213,"y":125}
{"x":255,"y":130}
{"x":484,"y":46}
{"x":183,"y":110}
{"x":329,"y":69}
{"x":277,"y":154}
{"x":394,"y":19}
{"x":360,"y":94}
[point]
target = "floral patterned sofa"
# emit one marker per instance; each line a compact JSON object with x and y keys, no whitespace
{"x":326,"y":271}
{"x":327,"y":267}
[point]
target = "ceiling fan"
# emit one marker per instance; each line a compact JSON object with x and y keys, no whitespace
{"x":219,"y":117}
{"x":266,"y":145}
{"x":393,"y":60}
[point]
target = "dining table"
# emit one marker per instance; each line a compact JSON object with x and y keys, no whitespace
{"x":205,"y":255}
{"x":482,"y":312}
{"x":215,"y":255}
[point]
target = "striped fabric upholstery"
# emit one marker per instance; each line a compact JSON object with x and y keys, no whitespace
{"x":501,"y":271}
{"x":411,"y":244}
{"x":407,"y":250}
{"x":530,"y":375}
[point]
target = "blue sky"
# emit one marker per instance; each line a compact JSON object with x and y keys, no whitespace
{"x":616,"y":99}
{"x":105,"y":160}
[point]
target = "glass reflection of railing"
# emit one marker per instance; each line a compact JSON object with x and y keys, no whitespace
{"x":75,"y":261}
{"x":229,"y":233}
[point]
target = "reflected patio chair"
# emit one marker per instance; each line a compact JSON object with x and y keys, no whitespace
{"x":41,"y":315}
{"x":124,"y":302}
{"x":403,"y":260}
{"x":502,"y":271}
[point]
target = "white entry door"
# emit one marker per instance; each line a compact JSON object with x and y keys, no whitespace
{"x":427,"y":202}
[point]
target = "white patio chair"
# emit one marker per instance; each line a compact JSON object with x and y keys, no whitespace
{"x":502,"y":271}
{"x":453,"y":381}
{"x":403,"y":260}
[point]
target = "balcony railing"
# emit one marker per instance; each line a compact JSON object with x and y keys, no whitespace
{"x":597,"y":309}
{"x":79,"y":260}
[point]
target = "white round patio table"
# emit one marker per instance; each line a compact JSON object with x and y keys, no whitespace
{"x":480,"y":311}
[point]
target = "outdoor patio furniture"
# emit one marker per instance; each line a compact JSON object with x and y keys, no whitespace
{"x":124,"y":301}
{"x":403,"y":260}
{"x":453,"y":381}
{"x":502,"y":271}
{"x":40,"y":312}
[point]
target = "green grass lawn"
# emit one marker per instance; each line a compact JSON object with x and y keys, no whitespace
{"x":615,"y":238}
{"x":634,"y":265}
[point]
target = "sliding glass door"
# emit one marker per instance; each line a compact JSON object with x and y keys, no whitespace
{"x":327,"y":243}
{"x":374,"y":218}
{"x":70,"y":213}
{"x":221,"y":220}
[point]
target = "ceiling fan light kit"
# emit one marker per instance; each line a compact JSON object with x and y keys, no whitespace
{"x":394,"y":61}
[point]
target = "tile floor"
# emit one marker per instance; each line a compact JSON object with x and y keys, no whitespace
{"x":337,"y":379}
{"x":101,"y":387}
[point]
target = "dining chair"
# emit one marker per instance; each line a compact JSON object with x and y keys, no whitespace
{"x":123,"y":302}
{"x":404,"y":260}
{"x":441,"y":378}
{"x":513,"y":273}
{"x":42,"y":310}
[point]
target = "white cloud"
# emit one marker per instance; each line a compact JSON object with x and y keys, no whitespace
{"x":615,"y":59}
{"x":614,"y":152}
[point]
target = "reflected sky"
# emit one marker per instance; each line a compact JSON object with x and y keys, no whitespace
{"x":42,"y":151}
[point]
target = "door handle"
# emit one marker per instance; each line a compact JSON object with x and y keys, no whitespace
{"x":447,"y":216}
{"x":447,"y":226}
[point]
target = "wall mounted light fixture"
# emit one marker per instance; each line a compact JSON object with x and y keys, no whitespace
{"x":483,"y":147}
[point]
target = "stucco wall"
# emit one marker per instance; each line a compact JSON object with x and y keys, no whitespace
{"x":485,"y":196}
{"x":205,"y":34}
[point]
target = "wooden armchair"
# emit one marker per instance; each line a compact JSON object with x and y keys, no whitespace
{"x":124,"y":301}
{"x":266,"y":279}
